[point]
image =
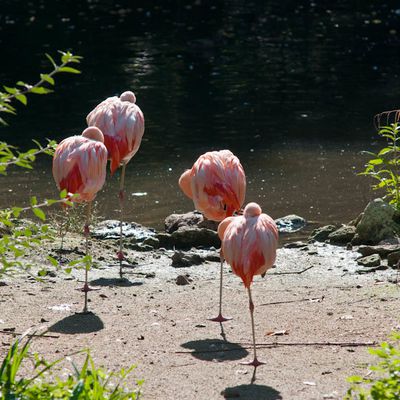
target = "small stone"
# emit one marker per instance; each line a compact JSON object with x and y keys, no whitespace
{"x":295,"y":245}
{"x":152,"y":241}
{"x":383,"y":250}
{"x":182,"y":259}
{"x":343,"y":235}
{"x":393,"y":258}
{"x":182,"y":280}
{"x":366,"y":270}
{"x":370,"y":261}
{"x":290,"y":223}
{"x":321,"y":234}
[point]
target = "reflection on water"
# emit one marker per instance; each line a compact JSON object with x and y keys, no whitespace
{"x":319,"y":184}
{"x":289,"y":86}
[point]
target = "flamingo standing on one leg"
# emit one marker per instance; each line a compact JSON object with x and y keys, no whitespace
{"x":79,"y":166}
{"x":217,"y":185}
{"x":249,"y":245}
{"x":122,"y":124}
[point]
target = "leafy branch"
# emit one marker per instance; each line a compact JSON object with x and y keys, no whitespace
{"x":384,"y":166}
{"x":21,"y":89}
{"x":9,"y":155}
{"x":385,"y":385}
{"x":17,"y":236}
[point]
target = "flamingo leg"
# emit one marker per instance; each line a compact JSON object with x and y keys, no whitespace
{"x":120,"y":253}
{"x":255,"y":363}
{"x":86,"y":288}
{"x":220,"y":318}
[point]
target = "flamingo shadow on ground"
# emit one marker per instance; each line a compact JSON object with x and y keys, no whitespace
{"x":215,"y":349}
{"x":114,"y":282}
{"x":78,"y":323}
{"x":252,"y":392}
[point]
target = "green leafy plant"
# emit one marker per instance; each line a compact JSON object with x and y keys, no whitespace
{"x":386,"y":383}
{"x":21,"y":89}
{"x":85,"y":383}
{"x":384,"y":166}
{"x":17,"y":235}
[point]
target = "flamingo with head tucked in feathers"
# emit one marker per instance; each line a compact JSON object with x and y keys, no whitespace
{"x":79,"y":167}
{"x":122,"y":124}
{"x":249,"y":245}
{"x":217,"y":185}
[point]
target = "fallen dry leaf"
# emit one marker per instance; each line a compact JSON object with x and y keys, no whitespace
{"x":277,"y":333}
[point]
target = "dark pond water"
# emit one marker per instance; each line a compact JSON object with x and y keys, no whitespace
{"x":291,"y":87}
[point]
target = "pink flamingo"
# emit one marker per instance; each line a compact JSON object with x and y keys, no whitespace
{"x":249,"y":245}
{"x":122,"y":124}
{"x":79,"y":167}
{"x":217,"y":185}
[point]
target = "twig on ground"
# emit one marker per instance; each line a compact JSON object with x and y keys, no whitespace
{"x":29,"y":335}
{"x":292,"y":273}
{"x":312,"y":300}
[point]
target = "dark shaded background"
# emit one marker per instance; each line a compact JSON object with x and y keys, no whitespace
{"x":258,"y":77}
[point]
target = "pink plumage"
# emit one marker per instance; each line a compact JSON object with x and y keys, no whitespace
{"x":216,"y":183}
{"x":249,"y":245}
{"x":79,"y":164}
{"x":122,"y":124}
{"x":249,"y":242}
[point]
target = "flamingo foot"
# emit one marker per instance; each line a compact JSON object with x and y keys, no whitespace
{"x":86,"y":288}
{"x":220,"y":318}
{"x":255,"y":363}
{"x":84,"y":312}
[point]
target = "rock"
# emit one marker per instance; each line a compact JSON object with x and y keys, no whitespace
{"x":377,"y":222}
{"x":295,"y":245}
{"x":321,"y":234}
{"x":382,"y":250}
{"x":370,"y":261}
{"x":393,"y":258}
{"x":4,"y":230}
{"x":290,"y":223}
{"x":187,"y":237}
{"x":140,"y":247}
{"x":191,"y":219}
{"x":152,"y":241}
{"x":371,"y":269}
{"x":185,"y":259}
{"x":109,"y":229}
{"x":343,"y":235}
{"x":182,"y":280}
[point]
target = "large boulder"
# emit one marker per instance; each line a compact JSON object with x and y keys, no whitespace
{"x":290,"y":224}
{"x":110,"y":229}
{"x":187,"y":237}
{"x":379,"y":221}
{"x":322,"y":233}
{"x":192,"y":219}
{"x":343,"y":235}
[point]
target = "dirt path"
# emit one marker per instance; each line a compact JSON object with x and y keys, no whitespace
{"x":150,"y":321}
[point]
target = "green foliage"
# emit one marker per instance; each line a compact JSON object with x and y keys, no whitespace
{"x":386,"y":385}
{"x":46,"y":81}
{"x":87,"y":383}
{"x":10,"y":155}
{"x":16,"y":235}
{"x":384,"y":166}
